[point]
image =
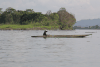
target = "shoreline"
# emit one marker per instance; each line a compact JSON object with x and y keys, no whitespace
{"x":33,"y":29}
{"x":29,"y":27}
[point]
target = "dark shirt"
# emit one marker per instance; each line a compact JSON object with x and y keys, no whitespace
{"x":44,"y":33}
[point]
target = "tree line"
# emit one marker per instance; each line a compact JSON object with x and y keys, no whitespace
{"x":61,"y":18}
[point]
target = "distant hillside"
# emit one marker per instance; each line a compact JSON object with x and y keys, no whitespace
{"x":86,"y":23}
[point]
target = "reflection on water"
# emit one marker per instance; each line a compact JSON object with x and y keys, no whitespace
{"x":19,"y":49}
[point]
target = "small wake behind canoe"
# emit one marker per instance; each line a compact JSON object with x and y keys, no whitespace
{"x":61,"y":36}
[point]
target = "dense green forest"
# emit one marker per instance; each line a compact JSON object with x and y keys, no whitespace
{"x":61,"y":19}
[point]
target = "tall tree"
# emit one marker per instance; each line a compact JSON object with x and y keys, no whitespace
{"x":30,"y":10}
{"x":48,"y":12}
{"x":10,"y":10}
{"x":1,"y":11}
{"x":65,"y":18}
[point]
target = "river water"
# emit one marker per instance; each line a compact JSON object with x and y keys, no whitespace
{"x":19,"y":49}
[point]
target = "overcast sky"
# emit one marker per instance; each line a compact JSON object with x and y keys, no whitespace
{"x":82,"y":9}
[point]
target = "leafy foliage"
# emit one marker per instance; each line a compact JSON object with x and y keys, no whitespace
{"x":65,"y":18}
{"x":62,"y":18}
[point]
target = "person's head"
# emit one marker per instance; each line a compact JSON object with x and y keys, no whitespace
{"x":46,"y":31}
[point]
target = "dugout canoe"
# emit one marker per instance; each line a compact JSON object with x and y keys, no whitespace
{"x":63,"y":36}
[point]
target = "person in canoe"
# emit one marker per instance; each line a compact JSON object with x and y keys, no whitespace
{"x":44,"y":34}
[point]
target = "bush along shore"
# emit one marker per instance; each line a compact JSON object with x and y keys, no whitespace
{"x":31,"y":20}
{"x":27,"y":27}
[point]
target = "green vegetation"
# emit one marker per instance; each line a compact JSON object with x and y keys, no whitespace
{"x":28,"y":19}
{"x":27,"y":27}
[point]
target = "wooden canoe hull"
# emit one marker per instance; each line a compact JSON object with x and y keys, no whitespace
{"x":63,"y":36}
